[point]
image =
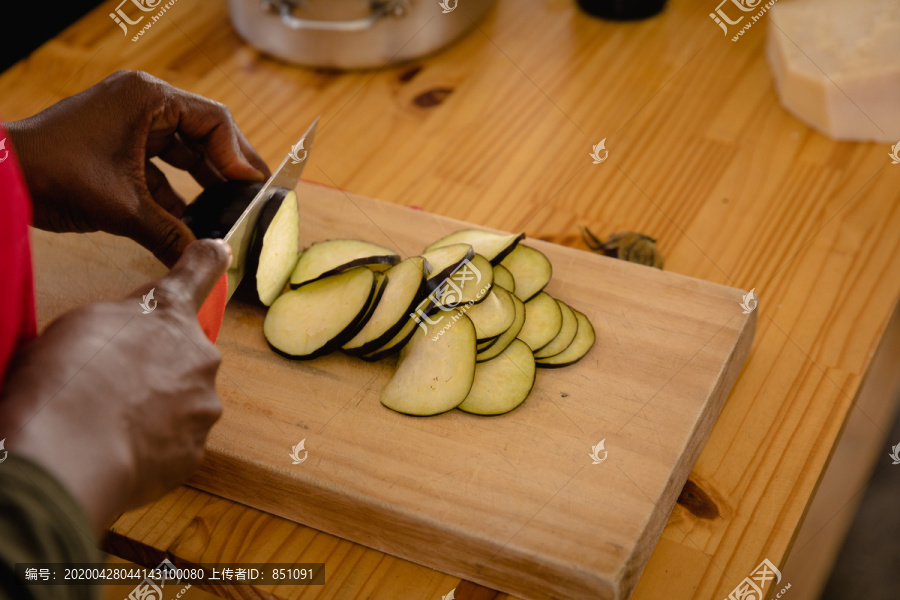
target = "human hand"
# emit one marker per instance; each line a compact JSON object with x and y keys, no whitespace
{"x":87,"y":161}
{"x":117,"y":404}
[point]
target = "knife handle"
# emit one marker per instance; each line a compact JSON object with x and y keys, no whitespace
{"x":212,"y":312}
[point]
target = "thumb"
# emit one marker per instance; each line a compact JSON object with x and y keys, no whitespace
{"x":196,"y":272}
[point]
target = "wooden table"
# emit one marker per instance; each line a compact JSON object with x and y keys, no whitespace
{"x":497,"y":131}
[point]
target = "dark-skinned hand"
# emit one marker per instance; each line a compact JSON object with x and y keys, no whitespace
{"x":87,"y":158}
{"x":117,"y":404}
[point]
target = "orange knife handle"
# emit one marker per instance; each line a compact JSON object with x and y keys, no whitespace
{"x":212,"y":312}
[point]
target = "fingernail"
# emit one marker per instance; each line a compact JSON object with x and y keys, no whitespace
{"x":227,"y":249}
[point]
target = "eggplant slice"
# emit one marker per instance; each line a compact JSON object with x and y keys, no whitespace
{"x":493,"y":316}
{"x":543,"y":321}
{"x":436,"y":370}
{"x":566,"y":333}
{"x":319,"y":317}
{"x":493,"y":246}
{"x":507,"y":337}
{"x":443,"y":261}
{"x":470,"y":283}
{"x":504,"y":278}
{"x":278,"y":245}
{"x":502,"y":383}
{"x":580,"y":346}
{"x":530,"y":270}
{"x":404,"y":290}
{"x":328,"y":258}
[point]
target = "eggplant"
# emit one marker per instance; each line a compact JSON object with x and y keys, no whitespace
{"x":320,"y":317}
{"x":566,"y":334}
{"x":584,"y":341}
{"x":530,"y":269}
{"x":502,"y":383}
{"x":436,"y":369}
{"x":507,"y":337}
{"x":404,"y":290}
{"x":323,"y":259}
{"x":543,"y":321}
{"x":493,"y":246}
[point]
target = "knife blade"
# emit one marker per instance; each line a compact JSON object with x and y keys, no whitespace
{"x":287,"y":175}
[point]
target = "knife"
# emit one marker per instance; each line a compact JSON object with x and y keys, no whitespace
{"x":287,"y":175}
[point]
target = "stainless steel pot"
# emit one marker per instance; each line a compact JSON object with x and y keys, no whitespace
{"x":353,"y":34}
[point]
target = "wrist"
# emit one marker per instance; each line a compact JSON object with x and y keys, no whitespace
{"x":99,"y":478}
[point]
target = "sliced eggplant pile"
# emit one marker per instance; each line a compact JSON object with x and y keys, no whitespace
{"x":469,"y":317}
{"x":403,"y":290}
{"x":530,"y":269}
{"x":492,"y":246}
{"x":583,"y":342}
{"x":434,"y":375}
{"x":319,"y":317}
{"x":502,"y":383}
{"x":328,"y":258}
{"x":543,"y":321}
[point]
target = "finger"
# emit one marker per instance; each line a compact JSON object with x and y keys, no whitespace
{"x":159,"y":232}
{"x":196,"y":272}
{"x":182,"y":156}
{"x":252,"y":155}
{"x":162,"y":191}
{"x":210,"y":125}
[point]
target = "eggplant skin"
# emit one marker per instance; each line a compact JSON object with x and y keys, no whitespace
{"x":215,"y":211}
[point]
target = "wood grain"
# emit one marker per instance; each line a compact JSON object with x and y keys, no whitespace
{"x":702,"y":157}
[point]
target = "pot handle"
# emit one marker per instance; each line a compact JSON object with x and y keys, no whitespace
{"x":380,"y":9}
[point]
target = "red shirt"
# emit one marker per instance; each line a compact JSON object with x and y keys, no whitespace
{"x":17,"y":317}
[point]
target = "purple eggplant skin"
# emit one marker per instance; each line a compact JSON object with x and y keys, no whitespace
{"x":215,"y":211}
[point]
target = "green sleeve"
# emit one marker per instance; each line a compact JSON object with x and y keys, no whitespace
{"x":41,"y":522}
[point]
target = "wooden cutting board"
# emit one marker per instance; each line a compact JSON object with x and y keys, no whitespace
{"x":514,"y":502}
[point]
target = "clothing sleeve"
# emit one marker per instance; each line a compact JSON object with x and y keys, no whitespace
{"x":41,"y":522}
